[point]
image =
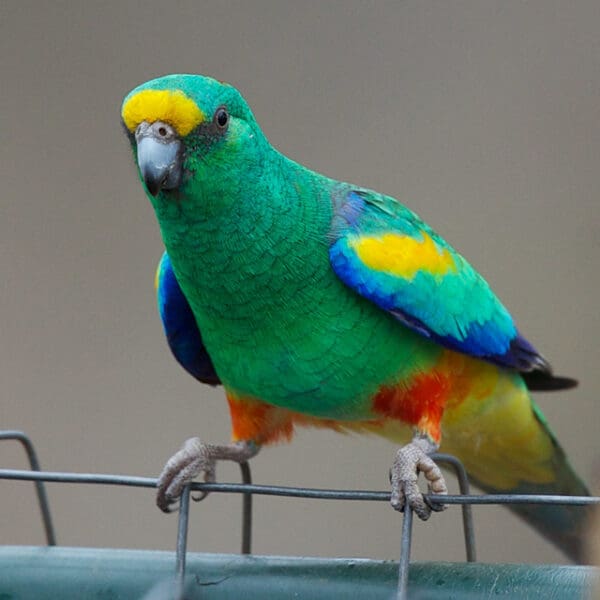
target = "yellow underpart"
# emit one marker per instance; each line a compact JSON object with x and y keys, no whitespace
{"x":495,"y":432}
{"x":172,"y":107}
{"x":403,"y":255}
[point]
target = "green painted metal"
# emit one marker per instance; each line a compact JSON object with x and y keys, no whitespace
{"x":44,"y":573}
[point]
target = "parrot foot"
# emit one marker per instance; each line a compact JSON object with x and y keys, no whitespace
{"x":410,"y":460}
{"x":194,"y":458}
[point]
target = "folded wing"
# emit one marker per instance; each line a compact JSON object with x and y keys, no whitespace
{"x":386,"y":253}
{"x":180,"y":326}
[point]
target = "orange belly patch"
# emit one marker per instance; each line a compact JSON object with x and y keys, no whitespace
{"x":263,"y":423}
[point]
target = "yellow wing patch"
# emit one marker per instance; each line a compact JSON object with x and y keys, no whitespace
{"x":157,"y":277}
{"x":172,"y":107}
{"x":403,"y":255}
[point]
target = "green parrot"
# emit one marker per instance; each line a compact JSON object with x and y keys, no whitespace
{"x":320,"y":303}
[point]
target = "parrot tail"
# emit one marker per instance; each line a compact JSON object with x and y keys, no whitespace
{"x":563,"y":525}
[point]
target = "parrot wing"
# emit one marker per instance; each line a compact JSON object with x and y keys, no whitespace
{"x":387,"y":254}
{"x":180,"y":326}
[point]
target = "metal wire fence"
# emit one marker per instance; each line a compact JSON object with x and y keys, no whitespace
{"x":247,"y":490}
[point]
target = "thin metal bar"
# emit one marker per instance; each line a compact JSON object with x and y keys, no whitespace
{"x":294,"y":492}
{"x":26,"y":442}
{"x":404,"y":562}
{"x":517,"y":499}
{"x":182,"y":533}
{"x":467,"y":513}
{"x":291,"y":492}
{"x":246,"y":510}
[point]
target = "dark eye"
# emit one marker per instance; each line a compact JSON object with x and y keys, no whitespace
{"x":221,"y":117}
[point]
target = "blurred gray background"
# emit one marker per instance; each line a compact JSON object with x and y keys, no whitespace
{"x":484,"y":117}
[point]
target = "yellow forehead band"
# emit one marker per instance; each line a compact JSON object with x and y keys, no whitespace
{"x":172,"y":107}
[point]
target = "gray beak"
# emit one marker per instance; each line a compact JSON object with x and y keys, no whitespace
{"x":159,"y":159}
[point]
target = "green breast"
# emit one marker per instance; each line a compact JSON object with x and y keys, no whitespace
{"x":277,"y":322}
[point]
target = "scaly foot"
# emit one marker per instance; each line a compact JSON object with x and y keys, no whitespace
{"x":195,"y":458}
{"x":410,"y":460}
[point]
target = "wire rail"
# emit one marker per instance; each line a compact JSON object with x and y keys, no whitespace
{"x":247,"y":489}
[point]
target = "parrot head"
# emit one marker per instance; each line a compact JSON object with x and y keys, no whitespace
{"x":190,"y":136}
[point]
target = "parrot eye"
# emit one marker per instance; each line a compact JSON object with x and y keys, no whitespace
{"x":221,"y":117}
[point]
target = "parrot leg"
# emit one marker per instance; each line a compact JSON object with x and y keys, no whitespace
{"x":194,"y":458}
{"x":410,"y":460}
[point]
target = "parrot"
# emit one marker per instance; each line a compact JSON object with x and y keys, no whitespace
{"x":320,"y":303}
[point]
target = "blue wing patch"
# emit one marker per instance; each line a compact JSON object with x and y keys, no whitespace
{"x":180,"y":326}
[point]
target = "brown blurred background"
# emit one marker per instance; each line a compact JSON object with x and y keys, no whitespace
{"x":484,"y":117}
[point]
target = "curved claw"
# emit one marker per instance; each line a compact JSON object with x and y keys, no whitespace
{"x":410,"y":460}
{"x":191,"y":460}
{"x":199,"y":497}
{"x":186,"y":464}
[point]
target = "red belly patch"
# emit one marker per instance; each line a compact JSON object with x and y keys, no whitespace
{"x":420,"y":402}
